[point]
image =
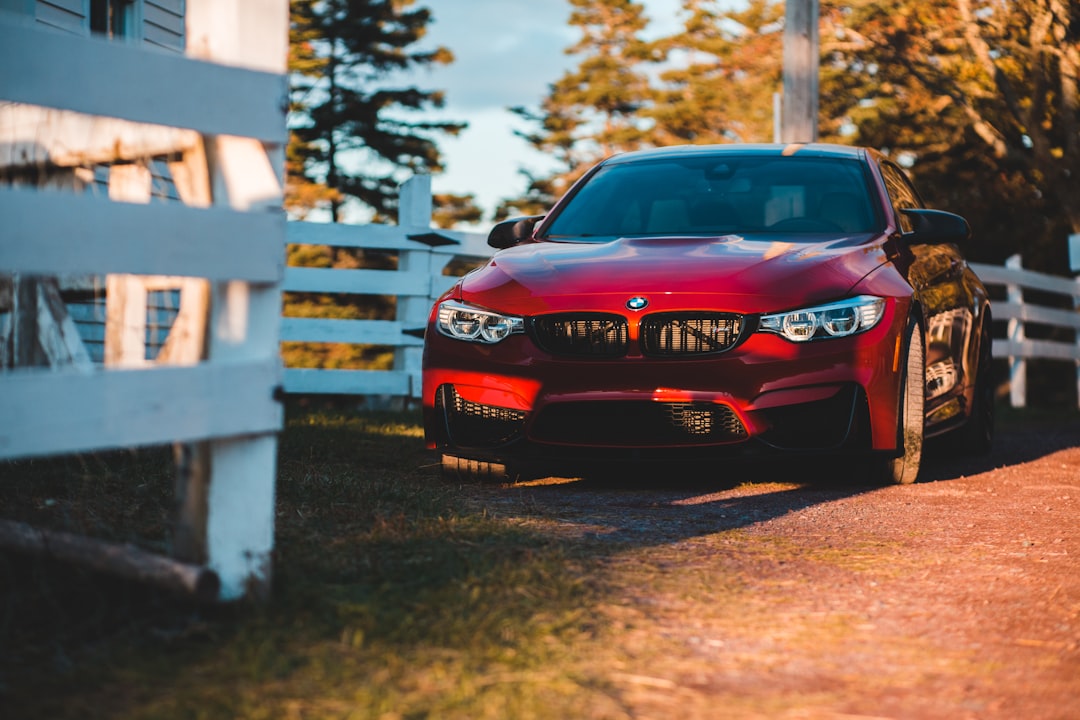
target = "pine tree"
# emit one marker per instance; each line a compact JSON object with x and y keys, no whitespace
{"x":343,"y":54}
{"x":594,"y":110}
{"x":726,"y":64}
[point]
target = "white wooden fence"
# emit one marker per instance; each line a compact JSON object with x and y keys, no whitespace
{"x":228,"y":97}
{"x":1016,"y":311}
{"x":423,"y":253}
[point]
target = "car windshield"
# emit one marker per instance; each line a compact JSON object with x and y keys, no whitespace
{"x":718,"y":196}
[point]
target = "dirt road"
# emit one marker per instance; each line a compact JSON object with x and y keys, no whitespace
{"x":956,"y":597}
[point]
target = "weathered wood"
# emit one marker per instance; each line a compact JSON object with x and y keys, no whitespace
{"x":94,"y":76}
{"x":57,"y":335}
{"x":187,"y":345}
{"x":42,"y":333}
{"x":25,"y":351}
{"x":126,"y":560}
{"x":125,"y":295}
{"x":191,"y":501}
{"x":66,"y":411}
{"x":56,"y":233}
{"x":801,"y":62}
{"x":32,"y":137}
{"x":125,"y":321}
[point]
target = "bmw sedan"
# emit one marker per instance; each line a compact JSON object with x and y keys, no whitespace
{"x":706,"y":302}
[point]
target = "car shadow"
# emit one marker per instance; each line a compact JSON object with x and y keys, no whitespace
{"x":1016,"y":445}
{"x":654,"y":505}
{"x":647,"y":507}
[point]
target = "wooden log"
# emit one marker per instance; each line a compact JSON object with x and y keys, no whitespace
{"x":125,"y":560}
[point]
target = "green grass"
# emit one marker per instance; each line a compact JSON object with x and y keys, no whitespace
{"x":393,"y":595}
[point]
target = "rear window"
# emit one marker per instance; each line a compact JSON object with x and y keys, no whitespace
{"x":716,"y":196}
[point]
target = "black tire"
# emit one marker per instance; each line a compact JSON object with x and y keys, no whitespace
{"x":459,"y":469}
{"x":911,"y":421}
{"x":977,"y":435}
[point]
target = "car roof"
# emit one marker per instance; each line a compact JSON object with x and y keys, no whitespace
{"x":816,"y":150}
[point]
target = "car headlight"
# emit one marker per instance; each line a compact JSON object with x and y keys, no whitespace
{"x":838,"y":319}
{"x":465,"y":322}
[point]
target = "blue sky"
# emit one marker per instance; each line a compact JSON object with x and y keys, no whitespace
{"x":507,"y":53}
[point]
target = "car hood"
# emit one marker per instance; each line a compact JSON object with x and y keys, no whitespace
{"x":738,"y":273}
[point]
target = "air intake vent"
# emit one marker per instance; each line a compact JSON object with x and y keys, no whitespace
{"x":595,"y":334}
{"x":690,"y":333}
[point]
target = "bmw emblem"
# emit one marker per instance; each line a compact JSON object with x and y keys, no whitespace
{"x":637,"y":303}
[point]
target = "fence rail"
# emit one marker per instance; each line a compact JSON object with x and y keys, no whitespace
{"x":1017,"y":312}
{"x":423,"y":254}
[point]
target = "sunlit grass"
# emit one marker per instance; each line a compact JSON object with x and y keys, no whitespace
{"x":393,"y":596}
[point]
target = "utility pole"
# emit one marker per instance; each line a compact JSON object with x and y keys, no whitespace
{"x":801,"y":60}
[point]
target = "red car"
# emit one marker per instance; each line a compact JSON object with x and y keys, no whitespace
{"x":703,"y":302}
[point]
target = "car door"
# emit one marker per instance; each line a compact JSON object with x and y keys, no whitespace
{"x":938,"y":274}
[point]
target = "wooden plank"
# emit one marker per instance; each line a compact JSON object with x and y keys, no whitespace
{"x":155,"y":36}
{"x":49,"y":412}
{"x":346,"y":382}
{"x":56,"y":332}
{"x":994,"y":275}
{"x":1046,"y":349}
{"x":126,"y":560}
{"x":61,"y":18}
{"x":97,"y":77}
{"x":357,"y":282}
{"x":373,"y":236}
{"x":71,"y":6}
{"x":1036,"y":314}
{"x":125,"y":314}
{"x":53,"y":233}
{"x":163,"y":25}
{"x":361,"y":332}
{"x":470,"y":244}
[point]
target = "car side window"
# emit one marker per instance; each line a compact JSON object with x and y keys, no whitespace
{"x":901,"y":193}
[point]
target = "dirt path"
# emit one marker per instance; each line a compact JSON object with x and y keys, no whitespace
{"x":956,"y":597}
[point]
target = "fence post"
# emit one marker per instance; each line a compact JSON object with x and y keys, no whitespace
{"x":1015,"y":334}
{"x":1076,"y":306}
{"x":414,"y":210}
{"x":246,"y":175}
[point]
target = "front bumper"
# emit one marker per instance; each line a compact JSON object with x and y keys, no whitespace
{"x":512,"y":401}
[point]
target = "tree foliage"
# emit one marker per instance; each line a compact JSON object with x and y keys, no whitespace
{"x":595,"y":109}
{"x":343,"y":57}
{"x":981,"y":96}
{"x":977,"y":98}
{"x":724,"y":68}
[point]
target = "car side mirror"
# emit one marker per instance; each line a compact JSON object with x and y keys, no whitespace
{"x":510,"y":232}
{"x":936,"y":226}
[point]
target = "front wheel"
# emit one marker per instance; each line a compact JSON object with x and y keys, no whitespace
{"x":904,"y":468}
